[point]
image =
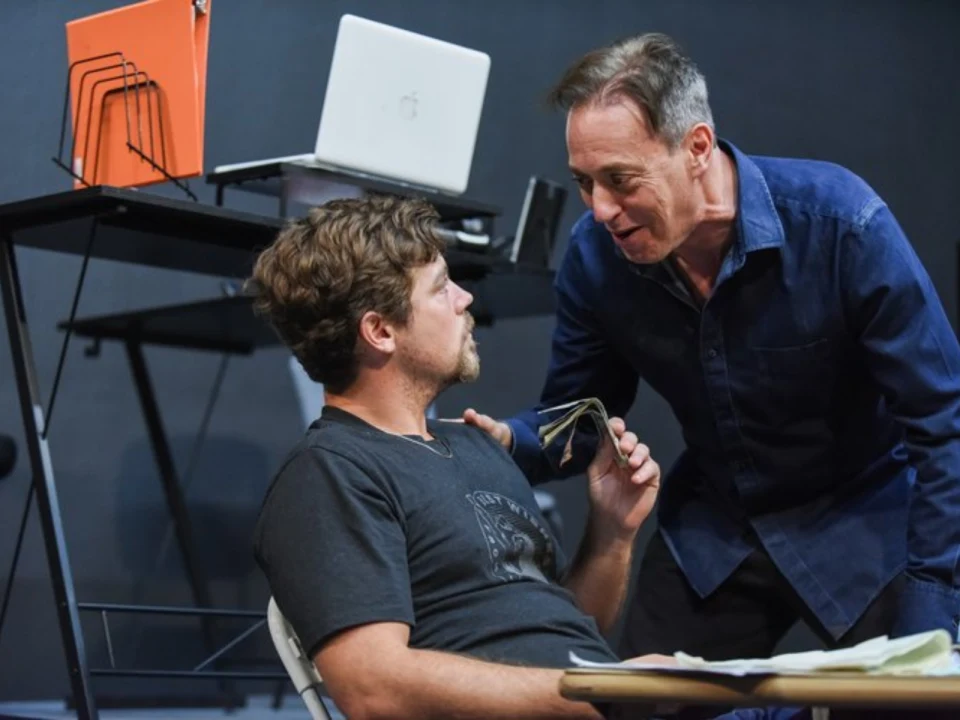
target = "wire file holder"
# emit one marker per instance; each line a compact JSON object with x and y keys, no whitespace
{"x":134,"y":82}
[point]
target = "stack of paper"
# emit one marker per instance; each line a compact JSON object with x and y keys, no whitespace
{"x":929,"y":653}
{"x":593,"y":408}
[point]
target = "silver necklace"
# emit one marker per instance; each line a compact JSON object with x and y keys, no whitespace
{"x":448,"y":454}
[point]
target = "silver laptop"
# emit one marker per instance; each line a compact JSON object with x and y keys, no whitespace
{"x":399,"y":106}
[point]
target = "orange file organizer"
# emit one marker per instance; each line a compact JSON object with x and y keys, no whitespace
{"x":137,"y":86}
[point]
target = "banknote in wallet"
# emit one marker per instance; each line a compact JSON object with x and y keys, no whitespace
{"x":591,"y":407}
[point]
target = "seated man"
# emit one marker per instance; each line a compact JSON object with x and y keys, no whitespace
{"x":410,"y":555}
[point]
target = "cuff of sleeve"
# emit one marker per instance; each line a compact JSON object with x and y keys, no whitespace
{"x":926,"y":605}
{"x":525,"y":445}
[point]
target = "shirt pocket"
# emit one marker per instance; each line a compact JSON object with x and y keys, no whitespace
{"x":795,"y":383}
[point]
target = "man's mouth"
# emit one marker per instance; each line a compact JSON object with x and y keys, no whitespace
{"x":621,"y":236}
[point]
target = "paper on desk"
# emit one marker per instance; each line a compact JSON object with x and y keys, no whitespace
{"x":674,"y":669}
{"x":929,"y":653}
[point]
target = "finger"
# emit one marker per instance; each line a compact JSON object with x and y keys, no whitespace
{"x":628,"y":441}
{"x":499,"y":431}
{"x":647,"y":474}
{"x":484,"y":422}
{"x":617,"y":425}
{"x":639,"y":455}
{"x":503,"y":434}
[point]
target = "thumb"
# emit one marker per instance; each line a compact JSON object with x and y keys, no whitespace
{"x":484,"y":422}
{"x":497,"y":430}
{"x":604,"y":456}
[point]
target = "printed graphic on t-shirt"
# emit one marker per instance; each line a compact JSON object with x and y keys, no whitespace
{"x":519,"y":546}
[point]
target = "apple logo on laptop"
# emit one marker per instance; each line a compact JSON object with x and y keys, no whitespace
{"x":408,"y":106}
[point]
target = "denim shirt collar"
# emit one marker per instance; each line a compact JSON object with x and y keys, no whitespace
{"x":757,"y":219}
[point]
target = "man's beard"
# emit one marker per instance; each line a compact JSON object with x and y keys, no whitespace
{"x":468,"y":364}
{"x":434,"y":380}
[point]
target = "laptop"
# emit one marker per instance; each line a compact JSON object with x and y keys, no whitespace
{"x":399,"y":106}
{"x":539,"y":220}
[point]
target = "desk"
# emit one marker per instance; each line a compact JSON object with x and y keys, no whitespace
{"x":135,"y":227}
{"x":836,"y":691}
{"x":127,"y":226}
{"x":290,"y":180}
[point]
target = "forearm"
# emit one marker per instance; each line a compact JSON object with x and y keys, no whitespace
{"x":425,"y":684}
{"x":600,"y":574}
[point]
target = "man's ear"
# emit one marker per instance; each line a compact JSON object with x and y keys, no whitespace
{"x":699,"y":145}
{"x":376,"y":333}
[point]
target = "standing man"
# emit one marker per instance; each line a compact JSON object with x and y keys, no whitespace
{"x":778,"y":307}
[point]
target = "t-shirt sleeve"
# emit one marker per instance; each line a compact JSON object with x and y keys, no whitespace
{"x":332,"y":546}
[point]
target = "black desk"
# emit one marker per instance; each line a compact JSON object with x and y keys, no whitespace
{"x":136,"y":227}
{"x":127,"y":226}
{"x":283,"y":179}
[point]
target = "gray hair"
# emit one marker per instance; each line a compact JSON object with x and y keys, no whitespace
{"x":652,"y":71}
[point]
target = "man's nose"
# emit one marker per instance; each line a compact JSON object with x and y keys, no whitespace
{"x":465,"y":299}
{"x":604,"y":205}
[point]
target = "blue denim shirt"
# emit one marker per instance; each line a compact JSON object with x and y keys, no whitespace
{"x":818,"y":390}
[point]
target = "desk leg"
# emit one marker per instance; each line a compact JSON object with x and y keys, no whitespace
{"x":171,"y":484}
{"x":175,"y":501}
{"x":48,"y":505}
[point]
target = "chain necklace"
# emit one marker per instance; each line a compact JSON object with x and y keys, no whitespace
{"x":447,"y":455}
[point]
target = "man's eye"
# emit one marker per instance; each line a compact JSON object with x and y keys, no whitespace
{"x":584,"y":182}
{"x":619,"y":180}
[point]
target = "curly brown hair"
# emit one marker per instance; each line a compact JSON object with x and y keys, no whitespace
{"x":325,"y":270}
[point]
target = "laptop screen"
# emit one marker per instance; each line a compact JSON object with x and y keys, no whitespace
{"x":539,"y":221}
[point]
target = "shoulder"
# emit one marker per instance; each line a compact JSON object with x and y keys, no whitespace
{"x":323,"y":476}
{"x":469,"y":438}
{"x":818,"y":188}
{"x":325,"y":458}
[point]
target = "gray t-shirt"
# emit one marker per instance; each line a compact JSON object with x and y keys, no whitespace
{"x":361,"y":526}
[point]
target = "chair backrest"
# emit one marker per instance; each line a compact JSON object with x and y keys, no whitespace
{"x":301,"y":670}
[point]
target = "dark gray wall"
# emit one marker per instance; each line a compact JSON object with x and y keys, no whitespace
{"x":869,"y":84}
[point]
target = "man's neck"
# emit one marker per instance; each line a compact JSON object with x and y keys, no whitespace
{"x":702,"y":253}
{"x":391,"y":406}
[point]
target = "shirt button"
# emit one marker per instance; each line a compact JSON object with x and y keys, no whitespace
{"x":712,"y":353}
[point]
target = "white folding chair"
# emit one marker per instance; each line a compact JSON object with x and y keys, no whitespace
{"x":306,"y":679}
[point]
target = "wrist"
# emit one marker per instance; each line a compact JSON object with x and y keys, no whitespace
{"x":607,"y":536}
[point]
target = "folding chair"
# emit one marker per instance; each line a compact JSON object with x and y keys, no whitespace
{"x":301,"y":670}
